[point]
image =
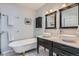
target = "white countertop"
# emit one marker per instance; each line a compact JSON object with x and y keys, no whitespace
{"x":59,"y":40}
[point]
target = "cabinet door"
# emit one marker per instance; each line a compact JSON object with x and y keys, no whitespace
{"x":64,"y":50}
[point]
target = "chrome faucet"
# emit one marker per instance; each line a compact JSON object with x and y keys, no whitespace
{"x":60,"y":31}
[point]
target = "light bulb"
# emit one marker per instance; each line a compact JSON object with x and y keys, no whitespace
{"x":64,"y":5}
{"x":46,"y":12}
{"x":51,"y":10}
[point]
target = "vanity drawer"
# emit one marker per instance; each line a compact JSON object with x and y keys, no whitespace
{"x":45,"y":43}
{"x":69,"y":49}
{"x":65,"y":53}
{"x":60,"y":52}
{"x":57,"y":51}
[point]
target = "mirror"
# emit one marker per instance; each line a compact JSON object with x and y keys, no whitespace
{"x":69,"y":16}
{"x":51,"y":20}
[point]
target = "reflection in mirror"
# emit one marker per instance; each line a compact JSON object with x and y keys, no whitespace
{"x":51,"y":20}
{"x":69,"y":17}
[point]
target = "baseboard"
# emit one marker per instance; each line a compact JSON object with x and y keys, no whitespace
{"x":8,"y":53}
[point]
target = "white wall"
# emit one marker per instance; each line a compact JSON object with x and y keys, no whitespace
{"x":20,"y":30}
{"x":54,"y":7}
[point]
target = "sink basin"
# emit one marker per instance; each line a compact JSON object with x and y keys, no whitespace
{"x":46,"y":34}
{"x":69,"y":38}
{"x":69,"y":41}
{"x":68,"y":35}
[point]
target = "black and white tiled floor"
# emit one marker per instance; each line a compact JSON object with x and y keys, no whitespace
{"x":42,"y":52}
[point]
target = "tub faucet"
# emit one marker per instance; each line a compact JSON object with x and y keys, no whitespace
{"x":60,"y":31}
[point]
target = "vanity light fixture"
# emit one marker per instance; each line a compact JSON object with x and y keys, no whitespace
{"x":64,"y":5}
{"x":51,"y":10}
{"x":46,"y":12}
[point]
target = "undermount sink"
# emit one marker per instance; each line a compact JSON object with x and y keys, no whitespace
{"x":69,"y":38}
{"x":46,"y":34}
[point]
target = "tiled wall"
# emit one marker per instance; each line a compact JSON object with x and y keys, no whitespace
{"x":54,"y":7}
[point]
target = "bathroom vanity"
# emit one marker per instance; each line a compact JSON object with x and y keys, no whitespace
{"x":46,"y":44}
{"x":60,"y":47}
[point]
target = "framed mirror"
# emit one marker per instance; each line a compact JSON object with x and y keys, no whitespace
{"x":69,"y":16}
{"x":50,"y":20}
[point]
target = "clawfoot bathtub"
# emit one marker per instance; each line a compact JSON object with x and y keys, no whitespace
{"x":21,"y":46}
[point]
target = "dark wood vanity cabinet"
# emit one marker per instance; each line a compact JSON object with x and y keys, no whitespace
{"x":58,"y":48}
{"x":46,"y":44}
{"x":65,"y":50}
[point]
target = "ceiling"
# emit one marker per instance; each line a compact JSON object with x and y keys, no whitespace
{"x":33,"y":6}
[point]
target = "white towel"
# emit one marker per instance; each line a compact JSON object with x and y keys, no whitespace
{"x":11,"y":35}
